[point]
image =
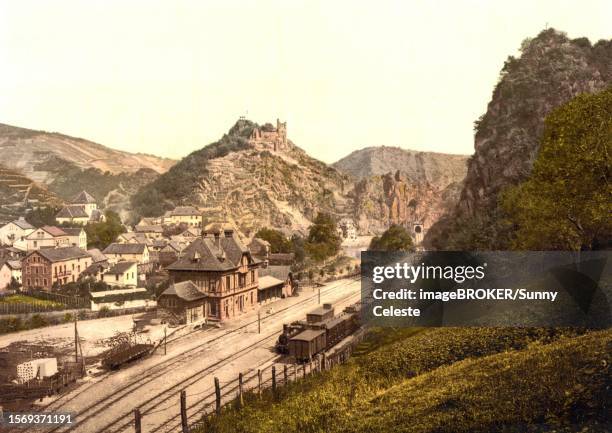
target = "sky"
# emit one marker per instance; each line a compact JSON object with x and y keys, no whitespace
{"x":169,"y":77}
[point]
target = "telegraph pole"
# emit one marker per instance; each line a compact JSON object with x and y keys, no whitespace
{"x":319,"y":295}
{"x":259,"y":321}
{"x":165,"y":340}
{"x":76,"y":340}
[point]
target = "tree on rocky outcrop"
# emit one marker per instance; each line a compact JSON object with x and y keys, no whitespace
{"x":566,"y":203}
{"x":395,"y":238}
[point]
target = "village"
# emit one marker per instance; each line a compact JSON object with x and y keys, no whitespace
{"x":167,"y":291}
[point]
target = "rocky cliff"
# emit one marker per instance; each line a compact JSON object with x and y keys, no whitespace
{"x":380,"y":201}
{"x":400,"y":186}
{"x":28,"y":150}
{"x":550,"y":71}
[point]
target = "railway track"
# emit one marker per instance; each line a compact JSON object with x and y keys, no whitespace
{"x":162,"y":368}
{"x":62,"y":400}
{"x":172,"y":425}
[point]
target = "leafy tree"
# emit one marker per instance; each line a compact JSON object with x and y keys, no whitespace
{"x":42,"y":216}
{"x":395,"y":238}
{"x":565,"y":204}
{"x":298,"y":248}
{"x":102,"y":234}
{"x":323,"y":239}
{"x":278,"y":242}
{"x":14,"y":284}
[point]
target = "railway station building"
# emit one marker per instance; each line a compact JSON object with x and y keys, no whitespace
{"x":223,"y":269}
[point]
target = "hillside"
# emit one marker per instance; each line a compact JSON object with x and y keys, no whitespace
{"x":551,"y":70}
{"x":436,"y":169}
{"x":29,"y":151}
{"x":18,"y":193}
{"x":447,"y":380}
{"x":248,"y":183}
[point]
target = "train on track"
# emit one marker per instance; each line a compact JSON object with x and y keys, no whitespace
{"x":319,"y":332}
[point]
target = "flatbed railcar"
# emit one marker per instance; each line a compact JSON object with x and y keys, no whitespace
{"x":124,"y":354}
{"x":303,"y":340}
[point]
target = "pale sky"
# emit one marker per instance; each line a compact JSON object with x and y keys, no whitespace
{"x":168,"y":77}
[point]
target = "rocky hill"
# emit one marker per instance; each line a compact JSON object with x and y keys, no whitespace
{"x":393,"y":198}
{"x":18,"y":193}
{"x":31,"y":152}
{"x":551,"y":70}
{"x":438,"y":169}
{"x":248,"y":183}
{"x":399,"y":186}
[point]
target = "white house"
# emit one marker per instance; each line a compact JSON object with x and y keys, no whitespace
{"x":5,"y":276}
{"x":10,"y":270}
{"x":183,"y":215}
{"x":76,"y":237}
{"x":122,"y":274}
{"x":47,"y":237}
{"x":129,"y":252}
{"x":15,"y":232}
{"x":85,"y":200}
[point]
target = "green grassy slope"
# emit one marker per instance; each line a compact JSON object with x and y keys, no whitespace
{"x":447,"y":380}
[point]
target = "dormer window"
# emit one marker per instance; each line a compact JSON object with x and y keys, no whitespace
{"x":196,"y":257}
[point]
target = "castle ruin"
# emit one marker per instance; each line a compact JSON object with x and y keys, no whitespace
{"x":269,"y":137}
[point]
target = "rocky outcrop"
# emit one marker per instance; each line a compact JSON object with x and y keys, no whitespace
{"x":26,"y":150}
{"x":381,"y":201}
{"x":551,"y":70}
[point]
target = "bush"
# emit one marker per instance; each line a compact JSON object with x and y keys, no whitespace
{"x":104,"y":312}
{"x":10,"y":324}
{"x":68,"y":317}
{"x":37,"y":321}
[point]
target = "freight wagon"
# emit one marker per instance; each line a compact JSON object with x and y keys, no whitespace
{"x":302,"y":340}
{"x":307,"y":344}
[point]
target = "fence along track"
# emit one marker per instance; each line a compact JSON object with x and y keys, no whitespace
{"x":203,"y":405}
{"x":183,"y":384}
{"x":170,"y":393}
{"x":160,"y":369}
{"x":177,"y":387}
{"x":231,"y":396}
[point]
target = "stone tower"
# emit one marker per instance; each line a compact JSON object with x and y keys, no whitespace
{"x":281,"y":130}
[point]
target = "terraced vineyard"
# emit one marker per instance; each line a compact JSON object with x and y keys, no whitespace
{"x":18,"y":192}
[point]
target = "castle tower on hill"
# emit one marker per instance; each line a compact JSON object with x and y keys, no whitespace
{"x":269,"y":137}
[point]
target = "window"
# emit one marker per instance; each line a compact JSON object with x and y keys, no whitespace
{"x":228,"y":282}
{"x":116,"y":277}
